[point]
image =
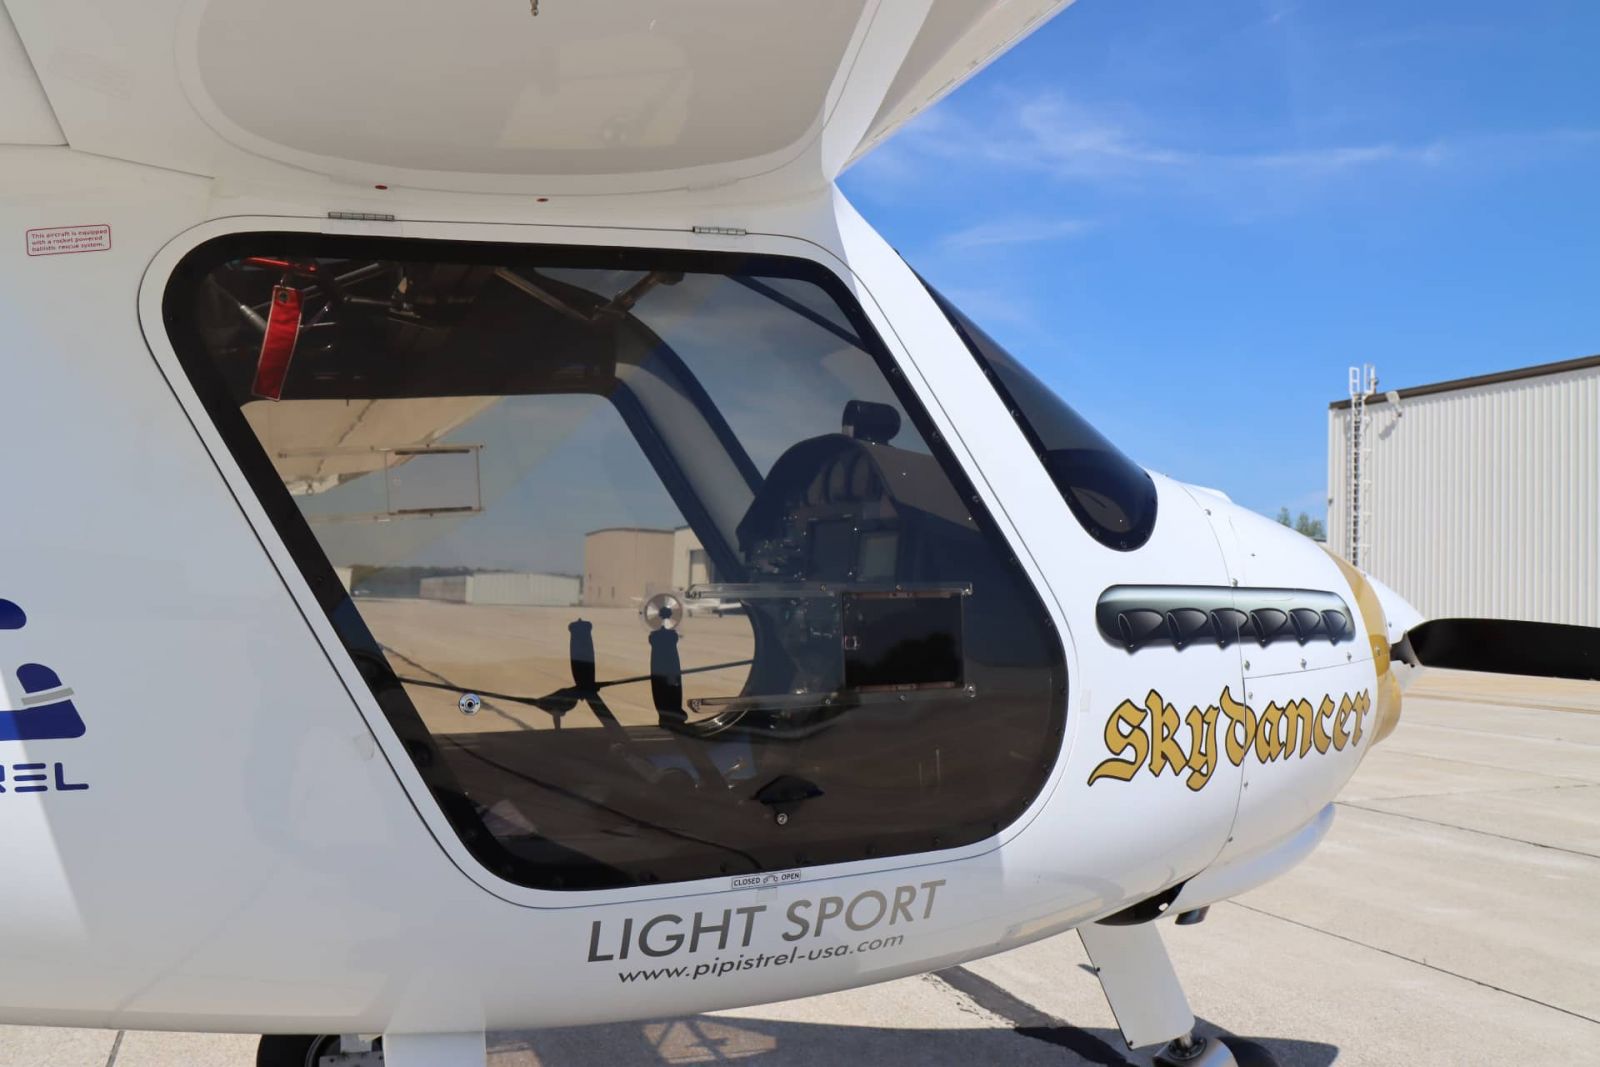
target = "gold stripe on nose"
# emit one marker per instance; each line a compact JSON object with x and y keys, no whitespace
{"x":1377,"y":627}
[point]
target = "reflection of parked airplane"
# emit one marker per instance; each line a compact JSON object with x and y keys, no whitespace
{"x":493,"y":282}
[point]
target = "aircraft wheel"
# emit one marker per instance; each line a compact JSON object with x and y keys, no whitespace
{"x":295,"y":1050}
{"x":1216,"y":1052}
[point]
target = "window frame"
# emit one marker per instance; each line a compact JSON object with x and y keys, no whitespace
{"x":1129,"y":541}
{"x":193,"y":262}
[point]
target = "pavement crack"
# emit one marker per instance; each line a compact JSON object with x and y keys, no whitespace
{"x":1469,"y":830}
{"x":1412,"y":959}
{"x":1501,"y":703}
{"x":1027,"y":1020}
{"x":116,"y":1046}
{"x":1502,"y":735}
{"x":1573,"y":784}
{"x":1423,"y":754}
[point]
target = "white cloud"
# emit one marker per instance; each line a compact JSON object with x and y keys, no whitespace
{"x":1014,"y":232}
{"x":1049,"y":133}
{"x":1337,"y":158}
{"x":1274,"y":13}
{"x":990,"y":306}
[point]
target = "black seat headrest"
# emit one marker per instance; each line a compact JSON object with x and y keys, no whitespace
{"x":868,"y":421}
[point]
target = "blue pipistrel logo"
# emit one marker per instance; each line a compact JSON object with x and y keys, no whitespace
{"x":43,"y":708}
{"x":37,"y":708}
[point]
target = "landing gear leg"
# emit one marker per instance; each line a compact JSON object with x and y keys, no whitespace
{"x":1143,"y":990}
{"x":435,"y":1050}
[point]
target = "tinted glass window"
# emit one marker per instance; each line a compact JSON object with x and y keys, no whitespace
{"x":1112,"y":496}
{"x":649,"y":557}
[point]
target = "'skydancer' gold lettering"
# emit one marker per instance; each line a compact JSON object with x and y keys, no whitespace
{"x":1202,"y":746}
{"x":1153,"y":735}
{"x":1167,"y":722}
{"x":1123,"y":731}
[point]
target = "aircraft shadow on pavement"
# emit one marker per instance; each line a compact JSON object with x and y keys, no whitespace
{"x":1033,"y":1037}
{"x":710,"y":1039}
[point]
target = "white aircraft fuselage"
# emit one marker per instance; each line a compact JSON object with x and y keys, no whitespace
{"x":236,"y":837}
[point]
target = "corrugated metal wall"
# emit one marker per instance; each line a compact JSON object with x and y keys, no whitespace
{"x":1485,"y":501}
{"x":451,"y":587}
{"x":538,"y":590}
{"x":503,"y":587}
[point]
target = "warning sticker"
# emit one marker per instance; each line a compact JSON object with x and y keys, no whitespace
{"x":64,"y":240}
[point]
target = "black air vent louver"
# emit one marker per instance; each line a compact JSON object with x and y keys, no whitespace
{"x":1140,"y":616}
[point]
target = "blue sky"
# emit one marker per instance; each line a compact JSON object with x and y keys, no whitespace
{"x":1191,"y":218}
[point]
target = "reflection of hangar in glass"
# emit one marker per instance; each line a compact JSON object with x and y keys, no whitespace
{"x":798,"y":639}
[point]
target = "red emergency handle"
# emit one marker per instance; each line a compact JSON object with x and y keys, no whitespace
{"x":277,"y":346}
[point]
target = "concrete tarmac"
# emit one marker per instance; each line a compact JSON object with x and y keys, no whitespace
{"x":1450,"y":918}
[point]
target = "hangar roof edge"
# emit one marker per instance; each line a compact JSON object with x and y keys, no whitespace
{"x":1540,"y":370}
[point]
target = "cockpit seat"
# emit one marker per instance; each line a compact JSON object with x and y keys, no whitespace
{"x":850,"y":505}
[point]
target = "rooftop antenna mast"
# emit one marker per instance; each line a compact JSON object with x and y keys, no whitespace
{"x":1358,"y":469}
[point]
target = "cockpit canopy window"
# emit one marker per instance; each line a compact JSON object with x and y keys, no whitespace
{"x":1113,"y":497}
{"x":650,"y":558}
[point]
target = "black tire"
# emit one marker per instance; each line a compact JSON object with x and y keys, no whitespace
{"x":294,"y":1050}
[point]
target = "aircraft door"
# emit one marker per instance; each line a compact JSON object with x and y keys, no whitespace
{"x":651,"y":559}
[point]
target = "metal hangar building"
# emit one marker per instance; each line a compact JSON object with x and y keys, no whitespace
{"x":1478,"y":497}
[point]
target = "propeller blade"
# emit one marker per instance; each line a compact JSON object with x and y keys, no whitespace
{"x":1502,"y":646}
